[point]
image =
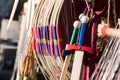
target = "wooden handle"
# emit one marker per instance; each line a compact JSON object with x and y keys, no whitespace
{"x":107,"y":31}
{"x":113,"y":32}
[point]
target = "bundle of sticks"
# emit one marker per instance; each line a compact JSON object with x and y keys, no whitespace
{"x":27,"y":70}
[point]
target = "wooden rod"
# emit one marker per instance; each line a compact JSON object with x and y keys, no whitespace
{"x":12,"y":13}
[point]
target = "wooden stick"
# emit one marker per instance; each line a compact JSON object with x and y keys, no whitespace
{"x":105,"y":30}
{"x":77,"y":65}
{"x":113,"y":32}
{"x":12,"y":13}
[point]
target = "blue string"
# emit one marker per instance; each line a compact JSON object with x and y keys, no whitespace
{"x":56,"y":50}
{"x":41,"y":32}
{"x":47,"y":32}
{"x":55,"y":38}
{"x":54,"y":33}
{"x":42,"y":37}
{"x":43,"y":49}
{"x":47,"y":37}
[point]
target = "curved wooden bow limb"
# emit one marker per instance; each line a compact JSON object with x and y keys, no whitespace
{"x":38,"y":57}
{"x":42,"y":57}
{"x":46,"y":22}
{"x":56,"y":69}
{"x":53,"y":20}
{"x":35,"y":54}
{"x":30,"y":14}
{"x":57,"y":35}
{"x":12,"y":13}
{"x":37,"y":12}
{"x":53,"y":23}
{"x":45,"y":26}
{"x":45,"y":14}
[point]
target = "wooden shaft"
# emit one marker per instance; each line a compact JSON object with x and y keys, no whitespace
{"x":65,"y":68}
{"x":12,"y":13}
{"x":77,"y":65}
{"x":113,"y":32}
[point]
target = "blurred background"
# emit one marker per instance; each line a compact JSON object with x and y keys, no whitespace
{"x":8,"y":39}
